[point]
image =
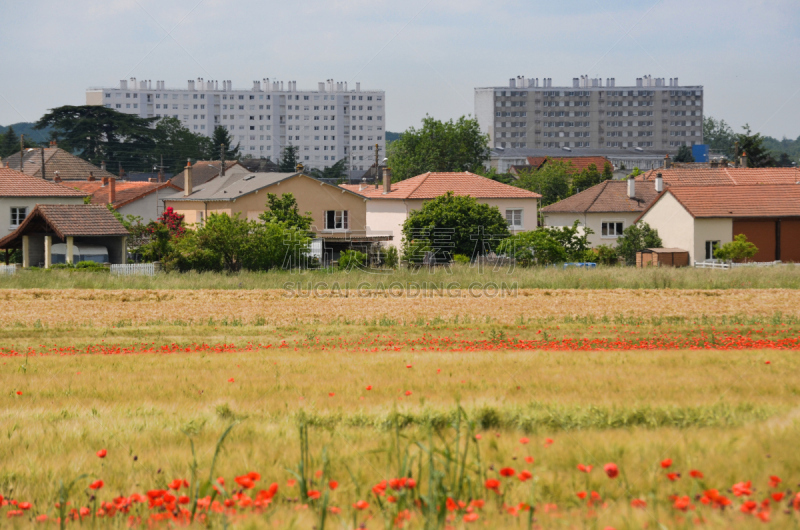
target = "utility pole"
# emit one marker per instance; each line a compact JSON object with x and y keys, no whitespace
{"x":21,"y":150}
{"x":161,"y":169}
{"x":42,"y":151}
{"x":222,"y":158}
{"x":376,"y":167}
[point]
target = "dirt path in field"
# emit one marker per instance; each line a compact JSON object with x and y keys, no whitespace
{"x":278,"y":307}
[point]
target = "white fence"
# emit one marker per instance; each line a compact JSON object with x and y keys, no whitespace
{"x":725,"y":265}
{"x":8,"y":269}
{"x":134,"y":269}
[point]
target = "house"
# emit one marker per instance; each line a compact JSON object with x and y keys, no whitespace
{"x":57,"y":162}
{"x":575,"y":164}
{"x":701,"y":218}
{"x":607,"y":208}
{"x":721,"y":176}
{"x":205,"y":170}
{"x":141,"y":199}
{"x":75,"y":232}
{"x":503,"y":158}
{"x":339,"y":215}
{"x":390,"y":204}
{"x":20,"y":193}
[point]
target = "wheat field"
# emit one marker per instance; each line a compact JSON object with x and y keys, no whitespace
{"x":370,"y":383}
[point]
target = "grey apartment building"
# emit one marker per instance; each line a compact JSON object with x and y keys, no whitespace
{"x":652,"y":115}
{"x":326,"y":125}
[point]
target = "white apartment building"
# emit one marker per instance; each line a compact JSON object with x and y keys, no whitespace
{"x":652,"y":115}
{"x":327,"y":125}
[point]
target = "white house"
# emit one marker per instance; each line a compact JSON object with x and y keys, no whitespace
{"x":390,"y":205}
{"x":141,"y":199}
{"x":700,"y":218}
{"x":20,"y":193}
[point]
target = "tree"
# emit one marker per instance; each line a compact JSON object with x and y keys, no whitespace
{"x":738,"y":250}
{"x":284,"y":210}
{"x":226,"y":237}
{"x":9,"y":143}
{"x":684,"y":154}
{"x":175,"y":144}
{"x":551,"y":181}
{"x":636,"y":238}
{"x":288,"y":161}
{"x":492,"y":174}
{"x":719,"y":136}
{"x":219,"y":138}
{"x":337,"y":171}
{"x":100,"y":134}
{"x":439,"y":146}
{"x":608,"y":171}
{"x":455,"y":224}
{"x":587,"y":178}
{"x":753,"y":146}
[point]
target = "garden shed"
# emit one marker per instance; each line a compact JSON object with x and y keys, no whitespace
{"x":662,"y":257}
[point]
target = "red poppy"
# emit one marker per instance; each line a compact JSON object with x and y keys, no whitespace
{"x":471,"y":517}
{"x":230,"y":380}
{"x":313,"y":494}
{"x":611,"y":470}
{"x":743,"y":488}
{"x":507,"y":472}
{"x":695,"y":474}
{"x":492,"y":484}
{"x":548,"y":442}
{"x":749,"y":507}
{"x":638,"y":503}
{"x":773,"y":481}
{"x":525,"y":475}
{"x":102,"y":453}
{"x":529,"y":459}
{"x":361,"y":505}
{"x":666,"y":463}
{"x":581,"y":495}
{"x":411,"y":483}
{"x":586,"y":468}
{"x":19,"y":392}
{"x":334,"y":510}
{"x":408,"y":392}
{"x":778,"y":496}
{"x":333,"y":484}
{"x":176,"y":484}
{"x":682,"y":503}
{"x":96,"y":485}
{"x":245,"y":482}
{"x":255,"y":477}
{"x":369,"y":387}
{"x":673,"y":476}
{"x":331,"y":394}
{"x":183,"y":499}
{"x":524,"y":441}
{"x":478,"y":436}
{"x":24,"y":506}
{"x":408,"y":366}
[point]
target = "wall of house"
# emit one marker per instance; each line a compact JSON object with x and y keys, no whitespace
{"x":593,"y":221}
{"x":148,"y":207}
{"x":674,"y":224}
{"x":710,"y":230}
{"x":790,"y":240}
{"x":529,"y":210}
{"x":6,"y":203}
{"x":311,"y":196}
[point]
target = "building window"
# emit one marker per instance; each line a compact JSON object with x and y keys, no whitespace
{"x":612,"y":229}
{"x":711,"y":246}
{"x":514,"y":218}
{"x":17,"y":216}
{"x":336,"y":220}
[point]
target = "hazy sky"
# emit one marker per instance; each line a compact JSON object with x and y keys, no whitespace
{"x":427,"y":54}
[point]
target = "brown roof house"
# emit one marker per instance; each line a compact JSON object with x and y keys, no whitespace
{"x":576,"y":164}
{"x":206,"y":170}
{"x":68,"y":233}
{"x":607,"y":208}
{"x":700,"y":218}
{"x":141,"y":199}
{"x":390,"y":204}
{"x":20,"y":193}
{"x":57,"y":162}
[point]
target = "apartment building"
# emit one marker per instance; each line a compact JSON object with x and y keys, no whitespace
{"x":651,"y":115}
{"x":327,"y":125}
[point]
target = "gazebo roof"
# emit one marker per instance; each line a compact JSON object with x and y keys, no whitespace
{"x":66,"y":220}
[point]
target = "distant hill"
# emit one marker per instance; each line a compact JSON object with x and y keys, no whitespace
{"x":391,"y":137}
{"x":790,"y":147}
{"x":26,"y":128}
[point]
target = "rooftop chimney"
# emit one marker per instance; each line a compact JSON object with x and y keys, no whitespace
{"x":187,"y":179}
{"x":91,"y":177}
{"x":105,"y":181}
{"x":112,"y":190}
{"x":743,"y":160}
{"x":363,"y":184}
{"x":57,"y":178}
{"x":103,"y":165}
{"x":659,"y":183}
{"x":631,"y":187}
{"x":667,"y":162}
{"x":387,"y":180}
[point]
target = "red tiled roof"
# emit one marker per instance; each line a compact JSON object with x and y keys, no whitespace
{"x":610,"y":196}
{"x":579,"y":163}
{"x":16,"y":184}
{"x":125,"y":192}
{"x":432,"y":185}
{"x":760,"y":200}
{"x":67,"y":220}
{"x":723,"y":176}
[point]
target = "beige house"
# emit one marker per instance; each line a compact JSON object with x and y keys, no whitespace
{"x":607,"y":209}
{"x":338,"y":214}
{"x":701,"y":218}
{"x":390,"y":205}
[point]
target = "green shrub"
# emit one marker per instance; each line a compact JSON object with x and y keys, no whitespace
{"x":391,"y":257}
{"x":606,"y":255}
{"x":352,"y":259}
{"x":461,"y":258}
{"x":738,"y":250}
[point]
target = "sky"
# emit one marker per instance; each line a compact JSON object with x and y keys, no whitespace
{"x":428,"y":55}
